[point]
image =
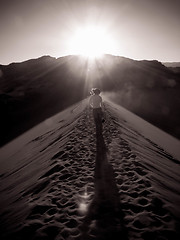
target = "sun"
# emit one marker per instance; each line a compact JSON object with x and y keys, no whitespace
{"x":91,"y":41}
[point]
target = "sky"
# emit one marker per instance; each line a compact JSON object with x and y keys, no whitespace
{"x":137,"y":29}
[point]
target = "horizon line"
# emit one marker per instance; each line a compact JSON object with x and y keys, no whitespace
{"x":80,"y":55}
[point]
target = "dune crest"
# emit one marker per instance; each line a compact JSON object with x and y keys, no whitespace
{"x":68,"y":181}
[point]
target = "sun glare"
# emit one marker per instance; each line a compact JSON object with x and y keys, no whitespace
{"x":91,"y":41}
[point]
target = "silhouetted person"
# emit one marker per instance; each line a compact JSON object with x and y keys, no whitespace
{"x":96,"y":104}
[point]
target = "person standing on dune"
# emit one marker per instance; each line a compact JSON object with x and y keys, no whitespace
{"x":96,"y":104}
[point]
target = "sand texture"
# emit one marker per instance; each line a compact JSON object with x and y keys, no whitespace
{"x":74,"y":181}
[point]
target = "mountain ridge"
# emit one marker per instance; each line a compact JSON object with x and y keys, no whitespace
{"x":36,"y":89}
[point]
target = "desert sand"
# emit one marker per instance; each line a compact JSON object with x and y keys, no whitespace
{"x":64,"y":180}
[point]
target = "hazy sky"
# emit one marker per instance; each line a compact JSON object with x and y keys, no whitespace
{"x":140,"y":29}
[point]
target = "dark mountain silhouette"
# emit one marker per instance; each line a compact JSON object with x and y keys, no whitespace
{"x":36,"y":89}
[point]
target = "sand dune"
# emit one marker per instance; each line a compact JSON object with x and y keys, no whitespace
{"x":65,"y":180}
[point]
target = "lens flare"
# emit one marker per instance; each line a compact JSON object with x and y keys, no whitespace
{"x":83,"y":202}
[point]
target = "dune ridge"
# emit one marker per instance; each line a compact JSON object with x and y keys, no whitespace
{"x":72,"y":182}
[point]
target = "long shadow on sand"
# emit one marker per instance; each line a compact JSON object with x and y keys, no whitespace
{"x":104,"y":219}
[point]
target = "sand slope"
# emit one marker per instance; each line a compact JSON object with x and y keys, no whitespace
{"x":64,"y":181}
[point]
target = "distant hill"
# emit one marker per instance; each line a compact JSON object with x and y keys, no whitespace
{"x":172,"y":64}
{"x":36,"y":89}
